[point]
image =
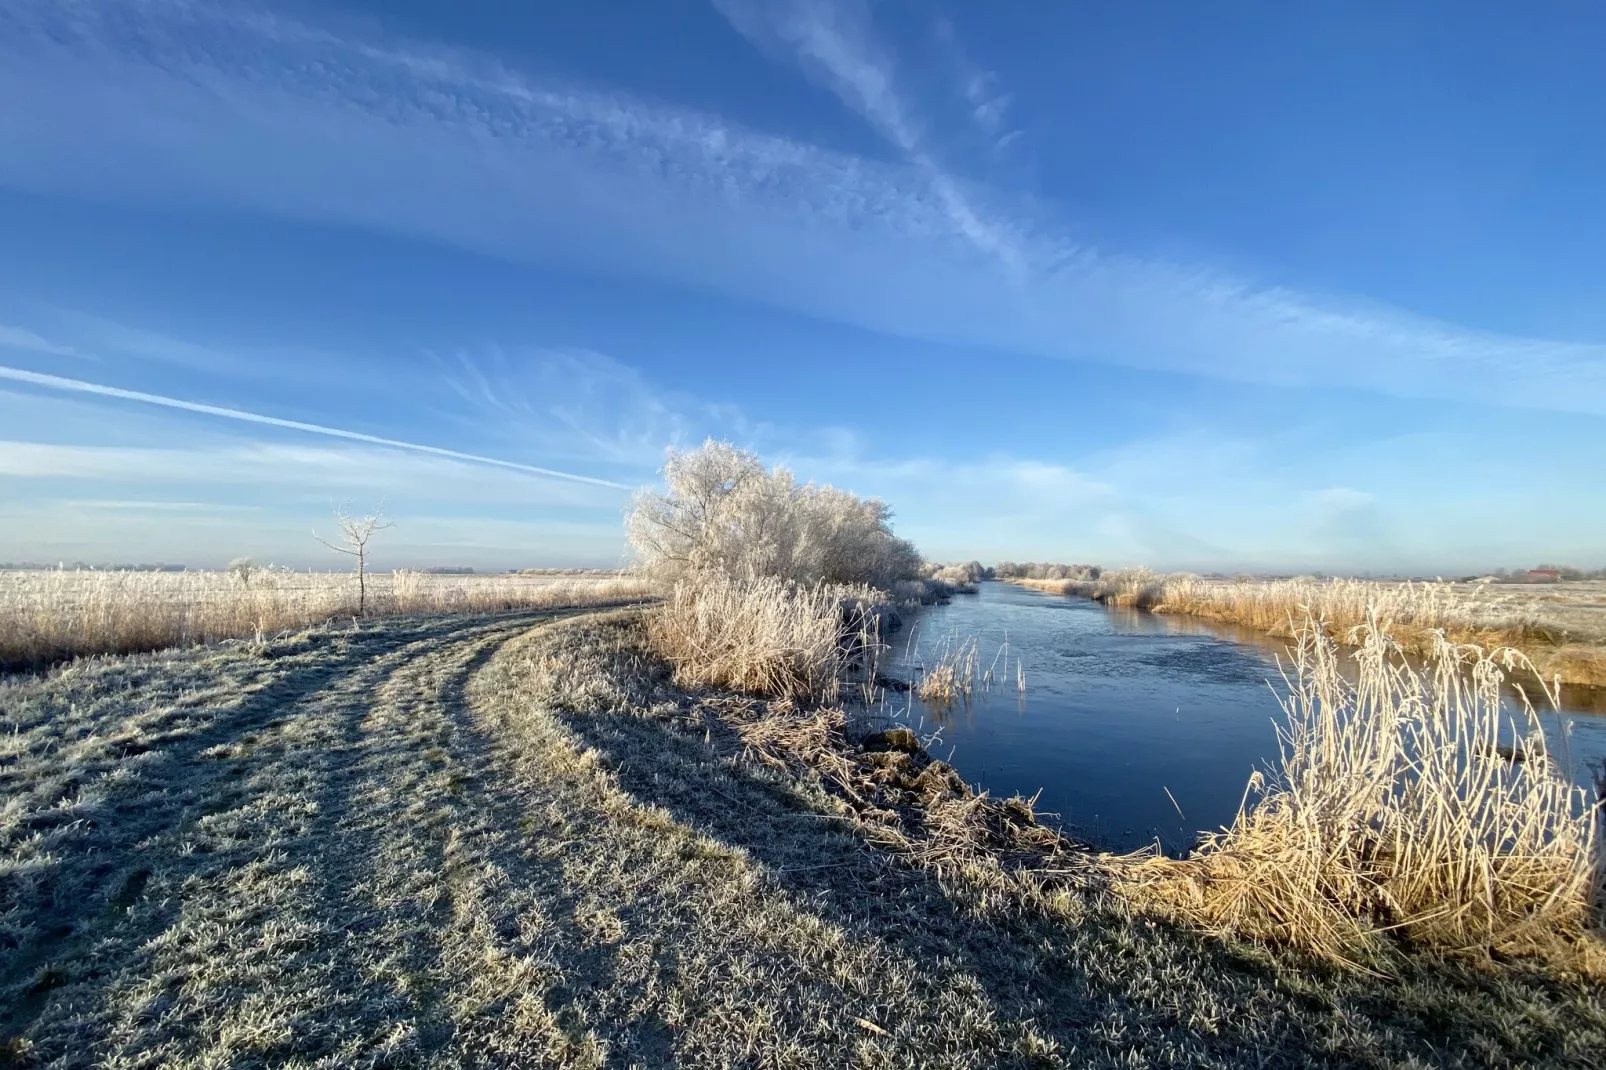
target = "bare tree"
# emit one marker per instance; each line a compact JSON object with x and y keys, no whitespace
{"x":355,"y":532}
{"x":241,"y":569}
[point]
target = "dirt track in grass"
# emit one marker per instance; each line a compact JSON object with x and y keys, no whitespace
{"x":510,"y":841}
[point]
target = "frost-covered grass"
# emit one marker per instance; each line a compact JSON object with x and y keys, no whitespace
{"x":508,"y":841}
{"x":47,"y":616}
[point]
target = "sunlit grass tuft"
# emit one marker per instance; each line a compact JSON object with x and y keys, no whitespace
{"x":765,"y":636}
{"x":1398,"y":816}
{"x":951,"y":676}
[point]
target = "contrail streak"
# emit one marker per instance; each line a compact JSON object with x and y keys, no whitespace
{"x":79,"y":386}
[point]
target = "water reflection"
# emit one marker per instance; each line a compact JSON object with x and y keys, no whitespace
{"x":1134,"y":727}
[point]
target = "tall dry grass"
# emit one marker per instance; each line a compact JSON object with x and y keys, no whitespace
{"x":1409,"y":807}
{"x":1416,"y":615}
{"x":766,"y":636}
{"x":951,"y":674}
{"x":51,"y":616}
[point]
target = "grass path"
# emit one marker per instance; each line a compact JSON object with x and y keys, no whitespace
{"x":507,"y":841}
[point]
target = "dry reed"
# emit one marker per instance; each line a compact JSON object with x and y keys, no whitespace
{"x":51,"y":616}
{"x":951,"y":675}
{"x":763,"y":637}
{"x":1399,"y":815}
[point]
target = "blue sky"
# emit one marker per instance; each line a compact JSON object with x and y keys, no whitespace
{"x":1200,"y":286}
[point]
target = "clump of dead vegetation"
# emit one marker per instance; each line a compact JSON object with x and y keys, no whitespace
{"x":906,"y":802}
{"x":765,"y":636}
{"x":951,"y":675}
{"x":1409,"y":811}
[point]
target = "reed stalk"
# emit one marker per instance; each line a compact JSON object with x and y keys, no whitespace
{"x":952,"y":673}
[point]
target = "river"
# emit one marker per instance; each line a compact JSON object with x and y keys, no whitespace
{"x":1133,"y":727}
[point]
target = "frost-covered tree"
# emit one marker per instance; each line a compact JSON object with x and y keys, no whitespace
{"x":722,"y":512}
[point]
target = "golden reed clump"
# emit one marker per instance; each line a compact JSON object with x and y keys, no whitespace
{"x":1411,"y":808}
{"x":764,"y":636}
{"x":952,"y":674}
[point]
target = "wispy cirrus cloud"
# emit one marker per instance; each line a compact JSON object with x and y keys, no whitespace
{"x":235,"y":465}
{"x":80,"y":386}
{"x":834,"y":43}
{"x":581,"y":404}
{"x":567,"y":406}
{"x":179,"y":103}
{"x":31,"y":342}
{"x":987,"y":101}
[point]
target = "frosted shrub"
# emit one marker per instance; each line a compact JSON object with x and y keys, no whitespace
{"x":722,"y":513}
{"x":774,"y":581}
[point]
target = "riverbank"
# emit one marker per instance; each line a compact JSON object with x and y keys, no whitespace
{"x":1560,"y":627}
{"x":516,"y":841}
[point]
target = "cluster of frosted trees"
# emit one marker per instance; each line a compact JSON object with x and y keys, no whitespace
{"x":1033,"y":570}
{"x":724,"y":514}
{"x":965,"y":574}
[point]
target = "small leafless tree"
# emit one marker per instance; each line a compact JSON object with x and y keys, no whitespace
{"x":241,"y":569}
{"x":355,"y":531}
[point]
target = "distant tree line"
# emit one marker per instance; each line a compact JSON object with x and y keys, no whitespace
{"x":963,"y":574}
{"x":1565,"y":572}
{"x":85,"y":566}
{"x":1043,"y":570}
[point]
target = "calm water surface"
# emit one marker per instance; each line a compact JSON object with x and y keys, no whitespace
{"x":1134,"y":727}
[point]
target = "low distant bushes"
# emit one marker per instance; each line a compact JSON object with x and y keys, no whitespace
{"x":956,"y":579}
{"x":1012,"y":570}
{"x":1133,"y":588}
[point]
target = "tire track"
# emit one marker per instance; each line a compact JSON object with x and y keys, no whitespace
{"x":172,"y":913}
